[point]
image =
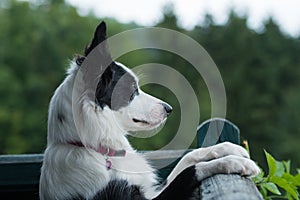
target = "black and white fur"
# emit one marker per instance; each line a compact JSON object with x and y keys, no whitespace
{"x":73,"y":172}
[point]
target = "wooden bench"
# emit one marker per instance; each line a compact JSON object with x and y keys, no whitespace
{"x":19,"y":174}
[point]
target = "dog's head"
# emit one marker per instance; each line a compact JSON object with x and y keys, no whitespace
{"x":118,"y":91}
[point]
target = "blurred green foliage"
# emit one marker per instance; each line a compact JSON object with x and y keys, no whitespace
{"x":260,"y":71}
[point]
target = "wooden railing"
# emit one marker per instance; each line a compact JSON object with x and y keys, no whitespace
{"x":19,"y":174}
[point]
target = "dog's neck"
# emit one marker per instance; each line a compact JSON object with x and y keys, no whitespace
{"x":106,"y":151}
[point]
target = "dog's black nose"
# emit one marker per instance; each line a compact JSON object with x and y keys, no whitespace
{"x":167,"y":108}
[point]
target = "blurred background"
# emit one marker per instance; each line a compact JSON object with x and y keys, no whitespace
{"x":257,"y":55}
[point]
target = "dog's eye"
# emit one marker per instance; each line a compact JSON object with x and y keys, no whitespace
{"x":135,"y":93}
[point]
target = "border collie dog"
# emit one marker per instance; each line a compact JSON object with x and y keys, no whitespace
{"x":88,"y":155}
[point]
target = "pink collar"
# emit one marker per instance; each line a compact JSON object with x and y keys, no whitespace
{"x":106,"y":151}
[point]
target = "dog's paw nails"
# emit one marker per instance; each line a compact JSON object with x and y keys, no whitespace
{"x":249,"y":168}
{"x":254,"y":171}
{"x":239,"y":165}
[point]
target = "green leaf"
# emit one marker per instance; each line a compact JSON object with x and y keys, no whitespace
{"x":271,"y":164}
{"x":280,"y":168}
{"x":292,"y":190}
{"x":291,"y":179}
{"x":298,"y":171}
{"x":289,"y":197}
{"x":287,"y":166}
{"x":297,"y":180}
{"x":271,"y":187}
{"x":263,"y":191}
{"x":260,"y":177}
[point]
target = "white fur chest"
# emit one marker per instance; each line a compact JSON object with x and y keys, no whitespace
{"x":135,"y":169}
{"x":84,"y":170}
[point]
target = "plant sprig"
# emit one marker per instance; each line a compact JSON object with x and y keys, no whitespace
{"x":279,"y":183}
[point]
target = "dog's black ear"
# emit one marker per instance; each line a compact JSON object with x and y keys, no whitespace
{"x":102,"y":96}
{"x":99,"y":36}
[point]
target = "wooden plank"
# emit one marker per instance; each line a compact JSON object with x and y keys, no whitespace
{"x":228,"y":187}
{"x":19,"y":176}
{"x":23,"y":158}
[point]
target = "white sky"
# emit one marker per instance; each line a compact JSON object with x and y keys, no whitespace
{"x":190,"y":12}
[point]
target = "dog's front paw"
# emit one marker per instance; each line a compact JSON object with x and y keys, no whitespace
{"x":215,"y":152}
{"x":226,"y":149}
{"x":237,"y":165}
{"x":231,"y":164}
